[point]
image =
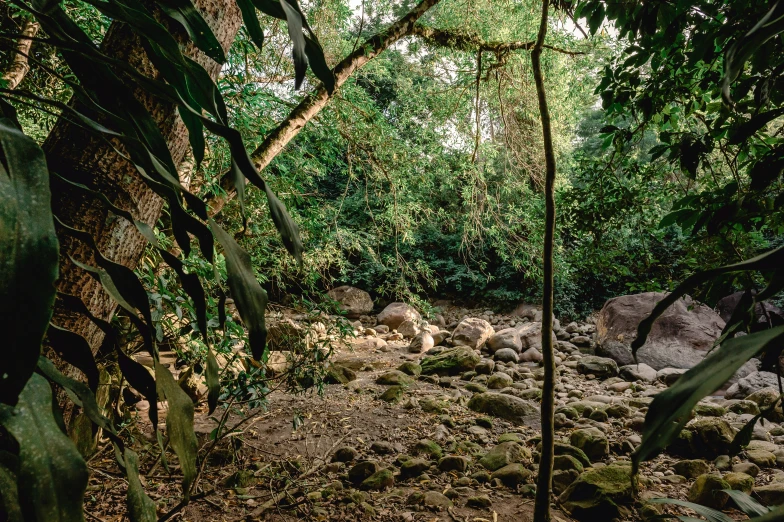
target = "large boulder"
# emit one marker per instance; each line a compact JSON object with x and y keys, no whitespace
{"x":396,"y":313}
{"x":752,"y":383}
{"x":353,"y":301}
{"x":507,"y":338}
{"x":680,"y":337}
{"x":472,"y":332}
{"x":452,"y":361}
{"x":531,"y":336}
{"x":766,"y":314}
{"x":599,"y":494}
{"x":506,"y":407}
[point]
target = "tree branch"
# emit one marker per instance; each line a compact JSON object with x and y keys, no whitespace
{"x":21,"y":66}
{"x":472,"y":42}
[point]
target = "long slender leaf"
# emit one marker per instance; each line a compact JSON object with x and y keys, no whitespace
{"x":711,"y":514}
{"x":777,"y":515}
{"x":75,"y":350}
{"x":250,"y":298}
{"x":28,"y":257}
{"x":140,"y":507}
{"x":179,"y":425}
{"x":52,"y":474}
{"x":199,"y":31}
{"x":746,"y":504}
{"x":251,"y":22}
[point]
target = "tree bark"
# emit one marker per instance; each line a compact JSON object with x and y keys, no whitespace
{"x":80,"y":156}
{"x":21,"y":65}
{"x":544,"y":479}
{"x":314,"y":102}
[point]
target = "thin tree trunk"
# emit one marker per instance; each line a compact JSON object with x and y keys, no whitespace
{"x":21,"y":65}
{"x":82,"y":157}
{"x":314,"y":102}
{"x":544,"y":479}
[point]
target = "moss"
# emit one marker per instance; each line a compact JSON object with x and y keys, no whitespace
{"x":450,"y":362}
{"x":428,"y":447}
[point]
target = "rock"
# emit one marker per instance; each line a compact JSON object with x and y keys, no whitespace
{"x":669,"y":375}
{"x":765,"y":399}
{"x":503,"y":454}
{"x":771,"y":494}
{"x":396,"y":313}
{"x":286,"y":335}
{"x":765,"y":312}
{"x":378,"y":481}
{"x":485,"y":367}
{"x":567,"y":462}
{"x":433,"y":405}
{"x":381,"y":447}
{"x":747,"y":468}
{"x":452,"y":361}
{"x":479,"y":502}
{"x":431,"y":499}
{"x":679,"y":337}
{"x":712,"y":436}
{"x":339,"y":374}
{"x":427,"y":447}
{"x":410,"y":368}
{"x":531,"y":355}
{"x":568,"y":449}
{"x":453,"y":463}
{"x":511,"y":475}
{"x":353,"y":301}
{"x":599,"y":494}
{"x":421,"y":343}
{"x":752,"y":383}
{"x":637,"y":372}
{"x":413,"y":468}
{"x":394,"y":378}
{"x":506,"y":407}
{"x":367,"y":345}
{"x":581,"y":340}
{"x":359,"y":472}
{"x":740,"y":482}
{"x":381,"y":328}
{"x":707,"y":491}
{"x":506,"y":355}
{"x":563,"y":478}
{"x":345,"y":454}
{"x":743,"y":406}
{"x":531,"y":336}
{"x":762,"y":458}
{"x":723,"y":462}
{"x":472,"y":332}
{"x":499,"y":381}
{"x":616,"y":351}
{"x":409,"y":329}
{"x":601,"y":367}
{"x":508,"y":338}
{"x":392,"y":394}
{"x":592,"y":441}
{"x":691,"y":468}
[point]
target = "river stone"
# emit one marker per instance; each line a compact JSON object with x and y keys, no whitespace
{"x":740,"y":482}
{"x":771,"y":494}
{"x":396,"y":313}
{"x":503,"y":454}
{"x":499,"y":381}
{"x":511,"y":475}
{"x":378,"y":481}
{"x":531,"y":336}
{"x":430,"y":499}
{"x":679,"y":338}
{"x":394,"y":378}
{"x":410,"y":368}
{"x":599,"y":494}
{"x":359,"y":472}
{"x":707,"y":491}
{"x":752,"y":383}
{"x":353,"y":301}
{"x":506,"y":355}
{"x":409,"y":329}
{"x":421,"y":343}
{"x":592,"y":441}
{"x":508,"y":338}
{"x":413,"y":467}
{"x":601,"y":367}
{"x":531,"y":355}
{"x":765,"y":398}
{"x":451,"y":361}
{"x":637,"y":372}
{"x":506,"y":407}
{"x":712,"y":436}
{"x":454,"y":463}
{"x":669,"y":375}
{"x":472,"y":332}
{"x":691,"y":468}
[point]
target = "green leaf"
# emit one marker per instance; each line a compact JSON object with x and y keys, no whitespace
{"x":52,"y":474}
{"x":289,"y":231}
{"x":28,"y":257}
{"x":777,"y":515}
{"x":9,"y":493}
{"x":596,"y":18}
{"x":710,"y":514}
{"x":747,"y":129}
{"x":747,"y":504}
{"x":141,"y":508}
{"x":179,"y":425}
{"x":318,"y":64}
{"x":75,"y":350}
{"x":670,"y":410}
{"x":141,"y":380}
{"x":199,"y":31}
{"x":213,"y":381}
{"x":251,"y":22}
{"x":294,"y":22}
{"x":250,"y":298}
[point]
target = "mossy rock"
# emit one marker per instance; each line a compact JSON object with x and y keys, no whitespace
{"x":599,"y":494}
{"x":432,"y":405}
{"x":691,"y":468}
{"x":339,"y":374}
{"x":410,"y":368}
{"x":475,"y":387}
{"x":592,"y":441}
{"x":394,"y":378}
{"x":740,"y":482}
{"x":712,"y":437}
{"x":504,"y":454}
{"x":511,"y":475}
{"x":378,"y":481}
{"x":452,"y":361}
{"x":567,"y":462}
{"x":510,"y":437}
{"x":707,"y":491}
{"x":427,"y":447}
{"x":506,"y":407}
{"x":392,"y":394}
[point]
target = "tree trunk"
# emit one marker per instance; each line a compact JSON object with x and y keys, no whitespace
{"x":544,"y":479}
{"x":80,"y":156}
{"x":21,"y":65}
{"x":314,"y":102}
